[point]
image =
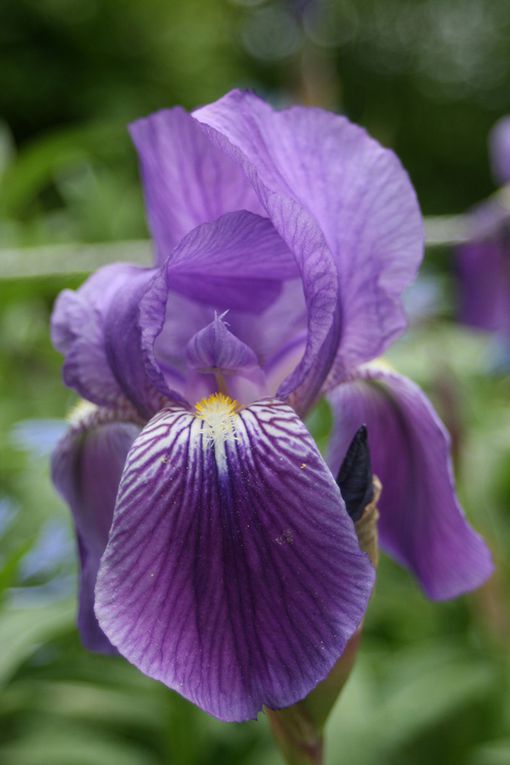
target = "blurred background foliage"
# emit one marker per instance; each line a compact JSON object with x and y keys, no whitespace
{"x":428,"y":78}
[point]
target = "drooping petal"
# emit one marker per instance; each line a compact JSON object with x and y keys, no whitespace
{"x":77,"y":329}
{"x":499,"y":147}
{"x":233,"y":573}
{"x":97,"y":329}
{"x":322,"y":178}
{"x":86,"y":469}
{"x":187,"y":181}
{"x":124,"y":347}
{"x":422,"y":525}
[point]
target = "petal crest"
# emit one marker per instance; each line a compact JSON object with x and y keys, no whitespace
{"x":422,"y":524}
{"x":233,"y":573}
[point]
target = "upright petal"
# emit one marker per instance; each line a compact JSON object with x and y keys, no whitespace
{"x":422,"y":525}
{"x":321,"y":177}
{"x":238,"y":262}
{"x":187,"y":181}
{"x":233,"y":572}
{"x":86,"y":469}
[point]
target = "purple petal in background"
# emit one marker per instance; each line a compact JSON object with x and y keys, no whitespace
{"x":86,"y":469}
{"x":422,"y":525}
{"x":499,"y":149}
{"x":233,"y":573}
{"x":39,"y":437}
{"x":483,"y":269}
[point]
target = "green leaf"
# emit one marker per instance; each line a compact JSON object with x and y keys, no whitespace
{"x":25,"y":629}
{"x":495,"y":753}
{"x":73,"y":745}
{"x":421,"y":688}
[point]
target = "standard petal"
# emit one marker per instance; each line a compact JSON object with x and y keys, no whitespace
{"x":86,"y":469}
{"x":233,"y":573}
{"x":187,"y":180}
{"x":422,"y":525}
{"x":237,"y":262}
{"x":315,"y":171}
{"x":240,"y":263}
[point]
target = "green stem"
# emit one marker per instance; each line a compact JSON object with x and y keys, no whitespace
{"x":299,"y":730}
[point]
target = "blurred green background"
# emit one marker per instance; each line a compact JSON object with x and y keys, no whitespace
{"x":428,"y":78}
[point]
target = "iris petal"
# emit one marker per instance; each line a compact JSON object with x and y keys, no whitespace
{"x":77,"y":328}
{"x":97,"y":329}
{"x":483,"y":283}
{"x":421,"y":525}
{"x":86,"y":469}
{"x":499,"y":146}
{"x":348,"y":211}
{"x":233,"y":573}
{"x":239,"y":263}
{"x":187,"y":181}
{"x":215,"y":348}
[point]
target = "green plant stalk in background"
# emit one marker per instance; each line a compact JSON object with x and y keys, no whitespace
{"x":79,"y":258}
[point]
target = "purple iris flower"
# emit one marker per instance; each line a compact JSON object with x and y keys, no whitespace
{"x":223,"y":559}
{"x":483,"y":262}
